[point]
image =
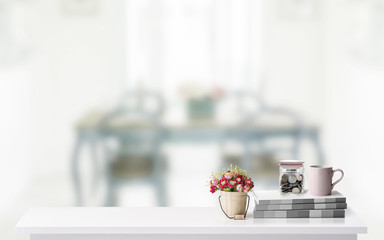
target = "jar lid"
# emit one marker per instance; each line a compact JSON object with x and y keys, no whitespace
{"x":291,"y":163}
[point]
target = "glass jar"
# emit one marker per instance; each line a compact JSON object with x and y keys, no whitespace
{"x":291,"y":176}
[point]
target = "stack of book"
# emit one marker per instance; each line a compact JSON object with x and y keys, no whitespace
{"x":273,"y":204}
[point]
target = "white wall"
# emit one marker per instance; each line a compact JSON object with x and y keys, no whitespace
{"x":321,"y":67}
{"x":354,"y":112}
{"x":74,"y":63}
{"x":77,"y":65}
{"x":294,"y":60}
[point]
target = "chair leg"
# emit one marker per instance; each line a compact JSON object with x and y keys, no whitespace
{"x":95,"y":163}
{"x":75,"y":170}
{"x":161,"y":193}
{"x":111,"y":200}
{"x":158,"y":175}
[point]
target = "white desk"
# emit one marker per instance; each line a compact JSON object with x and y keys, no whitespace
{"x":177,"y":223}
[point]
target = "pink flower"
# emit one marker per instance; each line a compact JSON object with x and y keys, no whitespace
{"x":213,"y":189}
{"x":223,"y":183}
{"x":228,"y":175}
{"x":214,"y":182}
{"x":231,"y":183}
{"x":239,"y":179}
{"x":240,"y":188}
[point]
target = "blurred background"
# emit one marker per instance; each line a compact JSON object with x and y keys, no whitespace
{"x":136,"y":102}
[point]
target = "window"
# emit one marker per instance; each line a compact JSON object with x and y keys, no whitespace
{"x":208,"y":42}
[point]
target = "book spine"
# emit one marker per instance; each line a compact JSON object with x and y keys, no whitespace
{"x":335,"y":213}
{"x":307,"y":206}
{"x":303,"y":201}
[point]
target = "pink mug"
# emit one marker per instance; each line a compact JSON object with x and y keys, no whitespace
{"x":320,"y":180}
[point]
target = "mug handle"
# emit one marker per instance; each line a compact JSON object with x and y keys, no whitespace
{"x":338,"y":180}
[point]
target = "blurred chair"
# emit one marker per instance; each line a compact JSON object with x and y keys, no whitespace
{"x":131,"y":136}
{"x":256,"y":132}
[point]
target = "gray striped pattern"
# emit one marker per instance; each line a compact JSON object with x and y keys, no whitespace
{"x":334,"y":213}
{"x":303,"y":201}
{"x":306,"y":206}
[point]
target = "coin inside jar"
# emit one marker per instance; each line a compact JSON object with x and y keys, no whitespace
{"x":299,"y":177}
{"x":292,"y":179}
{"x":296,"y":190}
{"x":284,"y":177}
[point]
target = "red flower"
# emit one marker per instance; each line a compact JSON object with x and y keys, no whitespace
{"x":248,"y":185}
{"x":223,"y":183}
{"x":248,"y":182}
{"x":231,"y":183}
{"x":213,"y":189}
{"x":239,"y":179}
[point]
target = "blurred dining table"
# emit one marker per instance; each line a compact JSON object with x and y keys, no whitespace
{"x":90,"y":131}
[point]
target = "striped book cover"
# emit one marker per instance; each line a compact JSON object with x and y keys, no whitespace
{"x":306,"y":206}
{"x":334,"y":213}
{"x":276,"y":197}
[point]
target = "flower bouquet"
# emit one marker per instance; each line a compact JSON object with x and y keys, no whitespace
{"x":234,"y":185}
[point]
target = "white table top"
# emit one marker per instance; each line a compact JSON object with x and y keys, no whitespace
{"x":114,"y":220}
